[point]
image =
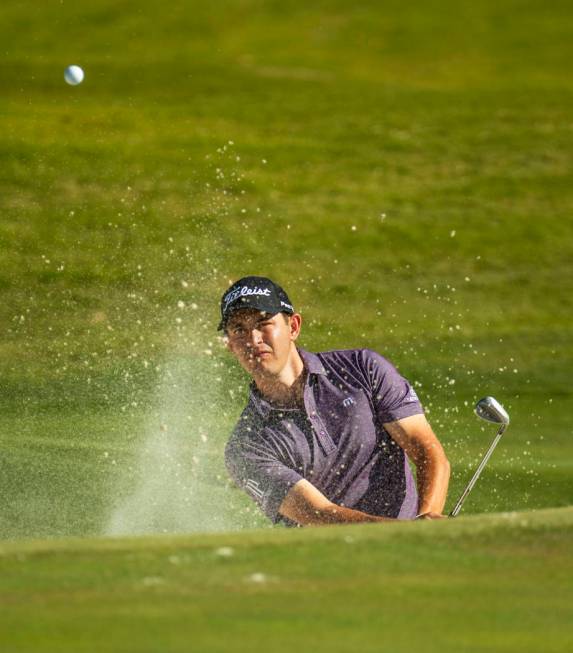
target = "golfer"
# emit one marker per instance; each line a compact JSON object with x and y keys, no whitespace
{"x":325,"y":438}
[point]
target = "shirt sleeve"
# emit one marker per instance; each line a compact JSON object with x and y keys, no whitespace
{"x":256,"y":469}
{"x":393,"y":397}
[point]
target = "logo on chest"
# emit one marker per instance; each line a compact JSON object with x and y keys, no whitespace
{"x":349,"y":401}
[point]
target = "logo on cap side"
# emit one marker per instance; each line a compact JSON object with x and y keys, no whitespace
{"x":243,"y":292}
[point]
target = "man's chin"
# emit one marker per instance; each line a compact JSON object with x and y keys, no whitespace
{"x":261,"y":364}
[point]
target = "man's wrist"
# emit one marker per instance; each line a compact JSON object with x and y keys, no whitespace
{"x":430,"y":515}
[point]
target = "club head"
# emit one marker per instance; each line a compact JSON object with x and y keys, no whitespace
{"x":491,"y":410}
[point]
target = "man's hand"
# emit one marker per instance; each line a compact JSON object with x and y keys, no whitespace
{"x":431,"y":515}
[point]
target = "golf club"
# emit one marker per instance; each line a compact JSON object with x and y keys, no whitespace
{"x":490,"y":410}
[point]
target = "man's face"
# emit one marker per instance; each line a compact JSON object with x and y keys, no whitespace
{"x":261,"y":341}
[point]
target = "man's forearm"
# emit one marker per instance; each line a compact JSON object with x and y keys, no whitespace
{"x":333,"y":514}
{"x":433,"y":477}
{"x":307,"y":506}
{"x":423,"y":448}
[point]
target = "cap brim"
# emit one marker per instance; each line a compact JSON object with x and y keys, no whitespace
{"x":275,"y":310}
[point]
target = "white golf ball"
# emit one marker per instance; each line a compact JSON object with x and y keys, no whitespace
{"x":74,"y":75}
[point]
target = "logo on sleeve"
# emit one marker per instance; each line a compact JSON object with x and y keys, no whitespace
{"x":412,"y":396}
{"x":349,"y":401}
{"x":254,"y":488}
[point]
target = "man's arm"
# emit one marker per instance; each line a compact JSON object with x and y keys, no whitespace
{"x":306,"y":505}
{"x":416,"y":437}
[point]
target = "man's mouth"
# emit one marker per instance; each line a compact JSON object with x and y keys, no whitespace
{"x":260,"y":355}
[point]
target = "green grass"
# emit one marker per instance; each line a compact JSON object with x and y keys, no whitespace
{"x":405,"y":171}
{"x":408,"y":181}
{"x":487,"y":583}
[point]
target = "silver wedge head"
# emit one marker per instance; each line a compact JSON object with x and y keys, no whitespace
{"x":491,"y":410}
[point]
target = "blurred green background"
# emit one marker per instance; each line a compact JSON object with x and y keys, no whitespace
{"x":403,"y":169}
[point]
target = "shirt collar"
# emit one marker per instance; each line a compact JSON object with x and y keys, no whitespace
{"x":312,"y":365}
{"x":311,"y":362}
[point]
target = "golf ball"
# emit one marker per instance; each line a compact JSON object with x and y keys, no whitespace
{"x":74,"y":75}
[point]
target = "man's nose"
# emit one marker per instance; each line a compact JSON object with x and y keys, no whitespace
{"x":256,"y":337}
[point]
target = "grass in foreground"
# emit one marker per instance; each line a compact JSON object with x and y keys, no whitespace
{"x":483,"y":583}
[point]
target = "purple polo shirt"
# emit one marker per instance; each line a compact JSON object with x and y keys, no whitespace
{"x":338,"y":442}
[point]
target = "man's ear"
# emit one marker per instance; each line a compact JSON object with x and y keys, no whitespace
{"x":295,"y":324}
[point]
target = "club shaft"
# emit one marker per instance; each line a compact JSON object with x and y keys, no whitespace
{"x":478,"y":471}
